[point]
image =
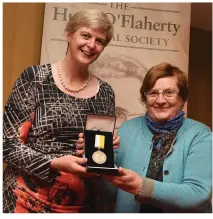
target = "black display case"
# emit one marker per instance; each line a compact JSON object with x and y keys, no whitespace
{"x":98,"y":144}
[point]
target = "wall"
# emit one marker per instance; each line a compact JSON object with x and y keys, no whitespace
{"x":200,"y":76}
{"x":22,"y":36}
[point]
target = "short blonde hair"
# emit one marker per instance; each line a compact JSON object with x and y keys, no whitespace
{"x":92,"y":18}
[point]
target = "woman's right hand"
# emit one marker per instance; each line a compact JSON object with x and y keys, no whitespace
{"x":80,"y":145}
{"x":69,"y":164}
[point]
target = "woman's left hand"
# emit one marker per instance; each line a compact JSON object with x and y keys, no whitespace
{"x":127,"y":180}
{"x":80,"y":143}
{"x":116,"y":141}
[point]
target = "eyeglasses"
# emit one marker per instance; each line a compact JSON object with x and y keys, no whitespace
{"x":167,"y":94}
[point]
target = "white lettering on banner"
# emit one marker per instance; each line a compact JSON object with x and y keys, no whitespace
{"x":126,"y":21}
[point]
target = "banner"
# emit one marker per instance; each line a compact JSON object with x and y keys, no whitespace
{"x":145,"y":34}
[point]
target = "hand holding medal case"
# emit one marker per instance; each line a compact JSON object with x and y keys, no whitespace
{"x":98,"y":146}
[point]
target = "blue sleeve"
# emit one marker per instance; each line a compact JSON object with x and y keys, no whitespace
{"x":195,"y":191}
{"x":120,"y":152}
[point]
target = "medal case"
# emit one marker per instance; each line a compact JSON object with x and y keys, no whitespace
{"x":98,"y":144}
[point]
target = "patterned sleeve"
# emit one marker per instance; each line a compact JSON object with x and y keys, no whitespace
{"x":19,"y":108}
{"x":111,"y":99}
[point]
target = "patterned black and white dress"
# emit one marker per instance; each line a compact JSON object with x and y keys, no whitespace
{"x":30,"y":185}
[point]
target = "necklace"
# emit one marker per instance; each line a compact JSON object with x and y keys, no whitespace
{"x":68,"y":89}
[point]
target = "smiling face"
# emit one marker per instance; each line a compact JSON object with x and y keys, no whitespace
{"x":86,"y":44}
{"x":162,"y":109}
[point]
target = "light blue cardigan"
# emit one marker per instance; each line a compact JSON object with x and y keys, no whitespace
{"x":187,"y":184}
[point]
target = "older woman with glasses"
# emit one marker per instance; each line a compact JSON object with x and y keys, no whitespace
{"x":164,"y":159}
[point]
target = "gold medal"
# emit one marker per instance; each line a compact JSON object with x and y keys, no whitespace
{"x":99,"y":157}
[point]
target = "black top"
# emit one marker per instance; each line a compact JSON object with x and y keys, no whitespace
{"x":58,"y":119}
{"x":155,"y":169}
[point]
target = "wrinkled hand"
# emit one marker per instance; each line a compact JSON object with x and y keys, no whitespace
{"x":80,"y":143}
{"x":127,"y":180}
{"x":69,"y":164}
